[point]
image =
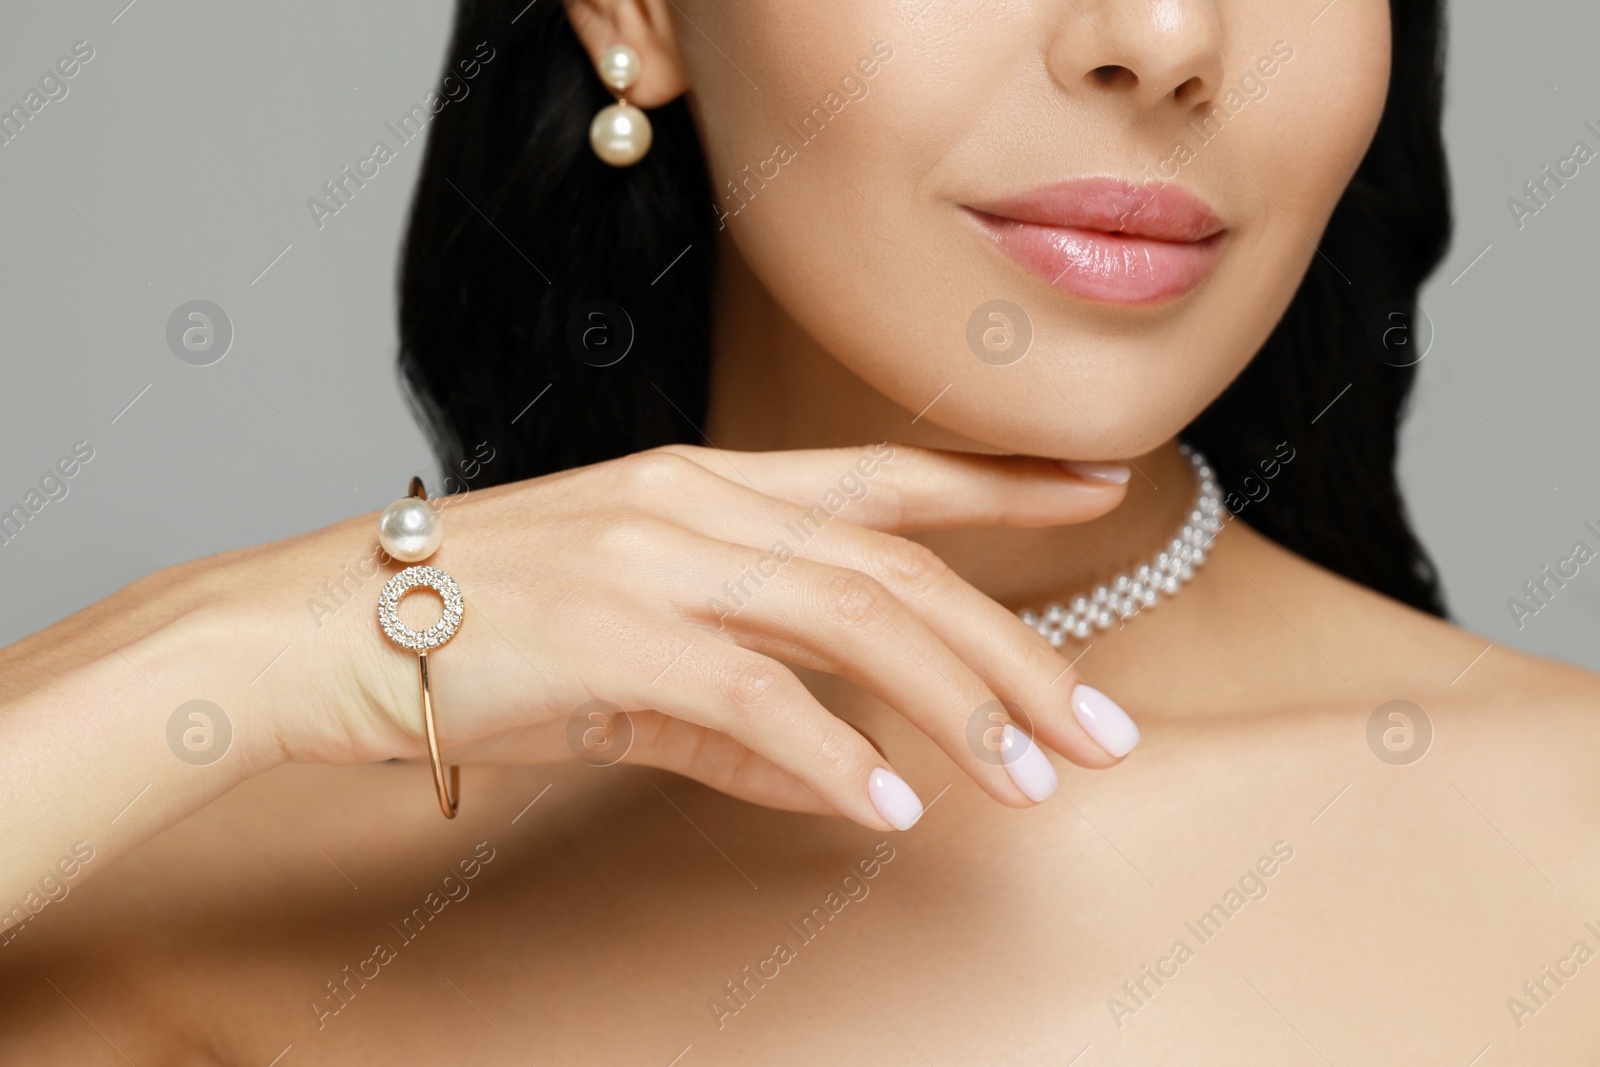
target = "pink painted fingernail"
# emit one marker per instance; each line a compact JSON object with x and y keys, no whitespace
{"x":1107,"y":473}
{"x":894,"y":799}
{"x":1102,"y":720}
{"x":1027,"y":764}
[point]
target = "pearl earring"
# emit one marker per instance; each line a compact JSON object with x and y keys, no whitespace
{"x":620,"y":134}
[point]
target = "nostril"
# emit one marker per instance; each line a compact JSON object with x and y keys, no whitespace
{"x":1189,"y":88}
{"x":1113,"y":75}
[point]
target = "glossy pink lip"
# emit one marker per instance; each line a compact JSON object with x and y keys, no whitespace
{"x":1107,"y":239}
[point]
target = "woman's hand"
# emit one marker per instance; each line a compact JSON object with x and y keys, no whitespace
{"x":674,"y":585}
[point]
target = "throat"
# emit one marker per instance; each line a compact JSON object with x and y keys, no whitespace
{"x":1030,"y":568}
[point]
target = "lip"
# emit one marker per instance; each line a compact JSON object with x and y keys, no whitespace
{"x":1107,"y":239}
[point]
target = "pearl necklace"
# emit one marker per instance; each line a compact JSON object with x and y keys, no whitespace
{"x":1128,"y":595}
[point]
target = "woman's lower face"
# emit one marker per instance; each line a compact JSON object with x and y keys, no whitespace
{"x":1072,"y":223}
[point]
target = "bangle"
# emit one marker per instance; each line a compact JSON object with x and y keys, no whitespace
{"x":411,"y":530}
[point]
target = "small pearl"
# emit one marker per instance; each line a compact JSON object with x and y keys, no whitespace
{"x":619,"y":67}
{"x":410,"y":530}
{"x":620,"y":135}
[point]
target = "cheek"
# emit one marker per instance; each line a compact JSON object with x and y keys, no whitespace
{"x":1290,"y":163}
{"x":779,"y":75}
{"x":816,"y":175}
{"x":1313,"y":130}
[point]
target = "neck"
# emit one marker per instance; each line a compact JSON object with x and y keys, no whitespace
{"x":773,"y":387}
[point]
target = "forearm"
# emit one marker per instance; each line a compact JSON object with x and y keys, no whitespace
{"x":89,"y":768}
{"x":126,"y":717}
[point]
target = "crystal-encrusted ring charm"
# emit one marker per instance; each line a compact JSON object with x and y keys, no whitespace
{"x":411,"y":538}
{"x":416,"y":578}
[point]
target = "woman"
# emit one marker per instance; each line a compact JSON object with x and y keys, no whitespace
{"x":759,"y":432}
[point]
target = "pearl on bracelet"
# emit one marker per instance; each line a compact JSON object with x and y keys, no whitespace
{"x":410,"y":530}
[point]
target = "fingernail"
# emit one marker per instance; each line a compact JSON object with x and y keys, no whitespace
{"x":1108,"y":473}
{"x":1027,"y":764}
{"x":1100,"y":717}
{"x":894,"y":799}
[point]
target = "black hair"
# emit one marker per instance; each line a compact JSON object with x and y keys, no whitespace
{"x":528,"y":263}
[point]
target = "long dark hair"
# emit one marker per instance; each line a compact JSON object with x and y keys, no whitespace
{"x":517,"y":229}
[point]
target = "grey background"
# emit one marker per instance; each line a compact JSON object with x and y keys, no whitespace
{"x":178,"y":168}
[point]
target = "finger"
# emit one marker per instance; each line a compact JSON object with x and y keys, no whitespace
{"x":717,"y":760}
{"x":761,"y":705}
{"x":898,"y":488}
{"x":847,"y":623}
{"x":1036,"y":686}
{"x":649,"y":739}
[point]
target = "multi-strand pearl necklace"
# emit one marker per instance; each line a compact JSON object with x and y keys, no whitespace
{"x":1130,"y":594}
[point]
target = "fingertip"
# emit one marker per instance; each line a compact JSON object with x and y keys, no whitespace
{"x":1104,"y":720}
{"x":1095,"y":472}
{"x":893,"y":799}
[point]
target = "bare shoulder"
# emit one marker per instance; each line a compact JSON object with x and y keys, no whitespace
{"x":1379,"y":645}
{"x":1459,"y":665}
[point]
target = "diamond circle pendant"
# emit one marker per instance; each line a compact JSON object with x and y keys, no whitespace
{"x":416,"y":578}
{"x":411,"y":531}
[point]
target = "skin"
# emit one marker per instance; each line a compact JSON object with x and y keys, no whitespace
{"x":1406,"y":901}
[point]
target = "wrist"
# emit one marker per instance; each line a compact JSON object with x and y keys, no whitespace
{"x":321,"y":673}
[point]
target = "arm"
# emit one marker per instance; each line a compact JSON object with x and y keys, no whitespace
{"x":600,"y":583}
{"x":96,"y":755}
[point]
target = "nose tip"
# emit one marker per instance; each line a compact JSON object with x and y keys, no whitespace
{"x":1168,"y":50}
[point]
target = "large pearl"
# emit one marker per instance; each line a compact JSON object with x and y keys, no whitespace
{"x":620,"y":135}
{"x":410,"y":530}
{"x":619,"y":67}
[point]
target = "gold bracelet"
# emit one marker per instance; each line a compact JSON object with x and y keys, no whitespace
{"x":411,"y":530}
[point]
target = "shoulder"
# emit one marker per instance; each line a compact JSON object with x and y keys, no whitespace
{"x":1379,"y":645}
